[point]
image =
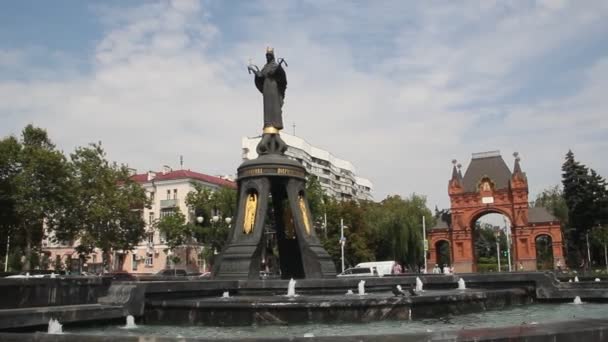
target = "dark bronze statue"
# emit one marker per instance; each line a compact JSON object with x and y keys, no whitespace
{"x":271,"y":81}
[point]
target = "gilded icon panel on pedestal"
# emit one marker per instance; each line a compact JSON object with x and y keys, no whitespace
{"x":304,"y":212}
{"x":251,"y":206}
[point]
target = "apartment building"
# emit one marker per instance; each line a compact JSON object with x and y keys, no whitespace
{"x":337,"y":176}
{"x":167,"y":190}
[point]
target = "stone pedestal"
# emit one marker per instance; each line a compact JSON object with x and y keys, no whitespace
{"x":272,"y":200}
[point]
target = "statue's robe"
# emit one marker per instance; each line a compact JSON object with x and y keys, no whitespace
{"x":271,"y":82}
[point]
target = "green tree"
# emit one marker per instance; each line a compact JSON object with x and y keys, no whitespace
{"x":359,"y":241}
{"x":10,"y":149}
{"x":36,"y":178}
{"x":586,"y":197}
{"x":599,"y":236}
{"x":108,"y":211}
{"x":553,"y":200}
{"x":316,"y":198}
{"x":209,"y":204}
{"x":398,"y":226}
{"x":579,"y":200}
{"x":175,"y":229}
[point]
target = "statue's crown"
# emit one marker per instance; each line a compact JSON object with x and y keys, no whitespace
{"x":270,"y":50}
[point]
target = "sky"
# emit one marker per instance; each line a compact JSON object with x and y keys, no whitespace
{"x":399,"y":88}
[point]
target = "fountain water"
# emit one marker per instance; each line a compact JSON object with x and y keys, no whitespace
{"x":362,"y":288}
{"x":349,"y":292}
{"x":597,"y":279}
{"x":569,"y":280}
{"x":130,"y":322}
{"x":461,"y":284}
{"x":419,"y":285}
{"x":226,"y":294}
{"x":576,"y":279}
{"x":55,"y":327}
{"x":53,"y":275}
{"x":291,"y":288}
{"x":577,"y":300}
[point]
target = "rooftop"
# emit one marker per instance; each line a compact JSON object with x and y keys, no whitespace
{"x":486,"y":164}
{"x":184,"y":174}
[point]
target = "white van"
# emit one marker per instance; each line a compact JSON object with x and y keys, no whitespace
{"x":382,"y":267}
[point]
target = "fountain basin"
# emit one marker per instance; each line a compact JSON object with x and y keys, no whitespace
{"x":308,"y":309}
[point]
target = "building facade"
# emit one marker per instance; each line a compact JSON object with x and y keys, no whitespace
{"x":337,"y":176}
{"x":167,"y":192}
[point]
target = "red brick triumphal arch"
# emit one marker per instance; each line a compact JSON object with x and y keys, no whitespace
{"x":488,"y":186}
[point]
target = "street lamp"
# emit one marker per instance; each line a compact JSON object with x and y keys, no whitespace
{"x":342,"y":242}
{"x":200,"y":219}
{"x":215,"y":218}
{"x":508,"y":235}
{"x":228,"y":220}
{"x":497,"y":234}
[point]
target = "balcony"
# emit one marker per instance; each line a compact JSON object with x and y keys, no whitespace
{"x":169,"y":203}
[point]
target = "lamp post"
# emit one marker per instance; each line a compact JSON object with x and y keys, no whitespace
{"x":497,"y":234}
{"x":425,"y":246}
{"x":200,"y":220}
{"x":342,"y":242}
{"x":508,"y":234}
{"x":8,"y":245}
{"x":171,"y":265}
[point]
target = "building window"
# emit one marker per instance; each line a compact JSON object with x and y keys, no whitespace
{"x":151,"y":239}
{"x":149,"y":260}
{"x":166,"y":212}
{"x":168,"y":194}
{"x":152,"y":196}
{"x":94,"y":258}
{"x":134,"y":262}
{"x":174,"y":193}
{"x":150,"y":218}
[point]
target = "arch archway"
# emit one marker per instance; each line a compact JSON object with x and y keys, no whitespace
{"x":491,"y":241}
{"x":543,"y":244}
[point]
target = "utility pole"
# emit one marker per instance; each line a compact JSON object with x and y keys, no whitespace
{"x":8,"y":245}
{"x":342,"y":242}
{"x":424,"y":243}
{"x":497,"y":233}
{"x":325,"y":224}
{"x":588,"y":250}
{"x":508,"y":232}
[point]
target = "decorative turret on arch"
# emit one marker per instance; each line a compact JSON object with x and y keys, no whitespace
{"x":488,"y":186}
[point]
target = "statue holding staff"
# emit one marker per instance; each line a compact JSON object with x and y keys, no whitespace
{"x":271,"y":81}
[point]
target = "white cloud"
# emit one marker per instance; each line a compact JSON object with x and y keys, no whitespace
{"x":398,"y":89}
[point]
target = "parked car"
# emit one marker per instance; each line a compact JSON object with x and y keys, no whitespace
{"x":120,"y":276}
{"x":171,"y":272}
{"x":359,"y":272}
{"x":269,"y":275}
{"x":34,"y":274}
